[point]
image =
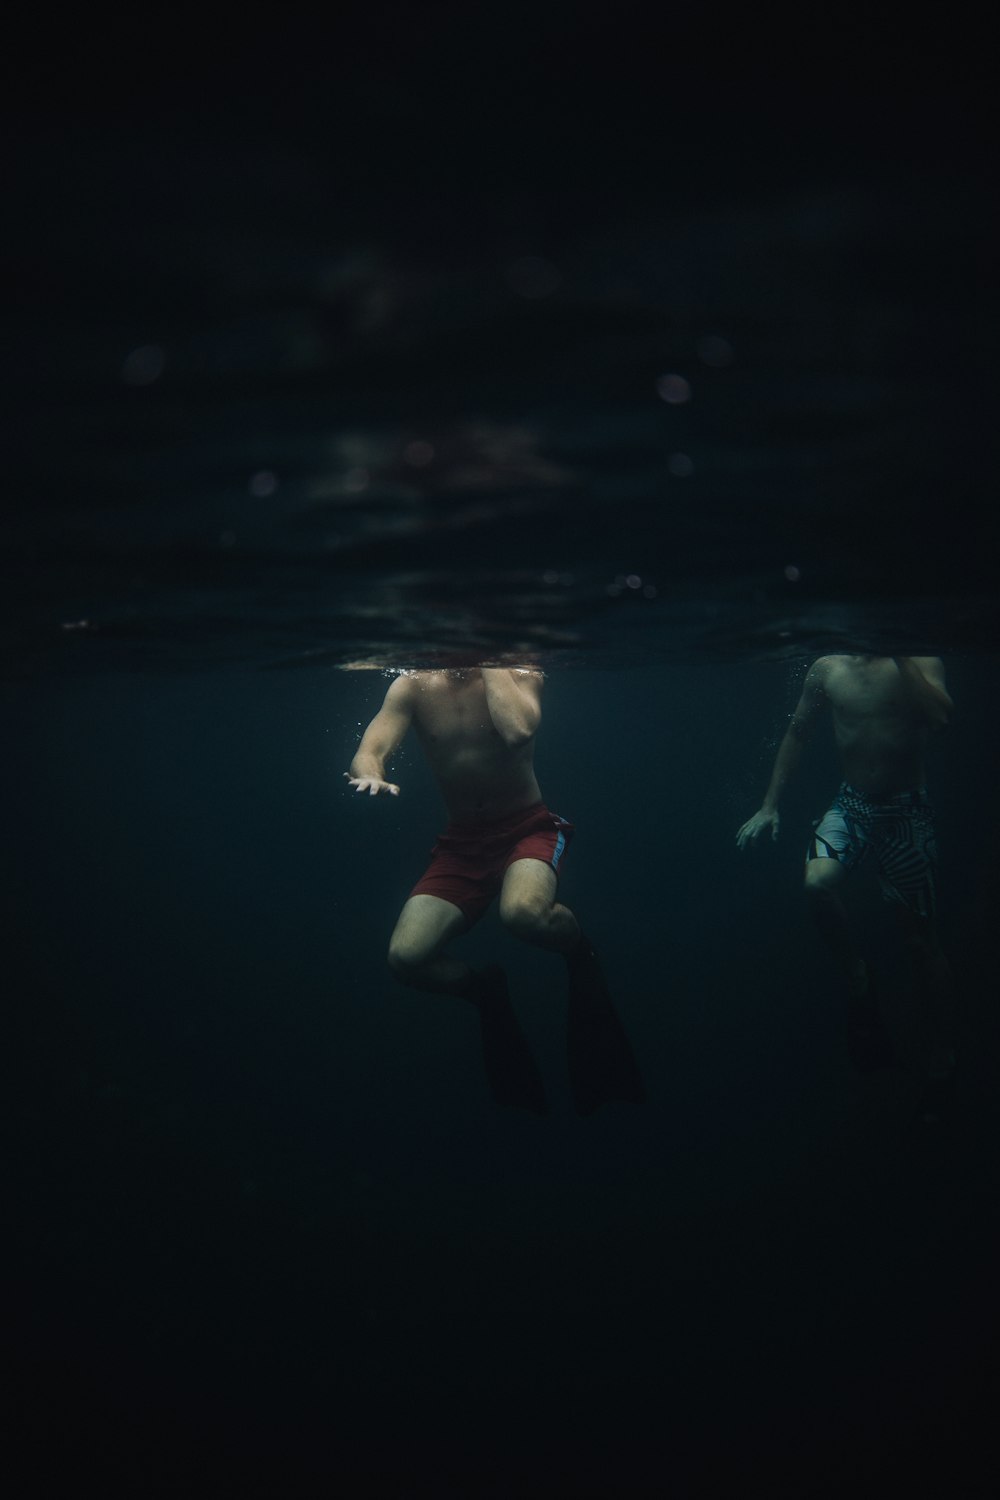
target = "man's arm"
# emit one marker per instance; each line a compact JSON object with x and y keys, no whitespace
{"x":808,"y":708}
{"x":923,"y":681}
{"x":381,"y":739}
{"x":514,"y":700}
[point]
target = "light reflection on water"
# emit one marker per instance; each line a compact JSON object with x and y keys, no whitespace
{"x":279,"y":448}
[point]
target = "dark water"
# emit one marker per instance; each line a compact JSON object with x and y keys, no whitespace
{"x":266,"y":1215}
{"x":629,"y":357}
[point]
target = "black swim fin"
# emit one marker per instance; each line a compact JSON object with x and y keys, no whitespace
{"x":602,"y":1066}
{"x":511,"y":1070}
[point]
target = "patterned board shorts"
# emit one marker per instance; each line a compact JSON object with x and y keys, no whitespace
{"x":900,"y":829}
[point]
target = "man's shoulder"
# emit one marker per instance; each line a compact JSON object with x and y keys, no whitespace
{"x":401,"y":691}
{"x":929,"y":663}
{"x":836,"y":665}
{"x":825,"y":667}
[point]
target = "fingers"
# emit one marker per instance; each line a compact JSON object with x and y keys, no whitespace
{"x":752,"y":829}
{"x":371,"y":785}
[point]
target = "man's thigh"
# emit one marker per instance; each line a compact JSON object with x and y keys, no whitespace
{"x":824,"y":875}
{"x":907,"y":862}
{"x":528,"y":883}
{"x":424,"y":926}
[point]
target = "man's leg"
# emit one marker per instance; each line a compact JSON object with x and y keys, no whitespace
{"x":824,"y":883}
{"x":602,"y":1067}
{"x":868,"y":1043}
{"x":416,"y":957}
{"x":932,"y":973}
{"x":426,"y":924}
{"x":529,"y":909}
{"x":907,"y":855}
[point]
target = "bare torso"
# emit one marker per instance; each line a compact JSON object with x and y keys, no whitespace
{"x":880,"y":735}
{"x":480,"y":777}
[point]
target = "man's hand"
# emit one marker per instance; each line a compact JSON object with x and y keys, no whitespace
{"x":923,"y":681}
{"x":755,"y":826}
{"x":372,"y":785}
{"x":513,"y":701}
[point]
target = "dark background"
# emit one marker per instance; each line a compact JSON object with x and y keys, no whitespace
{"x":266,"y":1224}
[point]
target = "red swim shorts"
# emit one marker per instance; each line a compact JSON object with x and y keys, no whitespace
{"x":469,"y":860}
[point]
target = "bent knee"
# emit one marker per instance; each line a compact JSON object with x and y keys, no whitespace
{"x":525,"y":916}
{"x":823,"y":877}
{"x":404,"y":959}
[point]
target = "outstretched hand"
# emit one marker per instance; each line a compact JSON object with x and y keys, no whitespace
{"x":372,"y":785}
{"x":755,"y":826}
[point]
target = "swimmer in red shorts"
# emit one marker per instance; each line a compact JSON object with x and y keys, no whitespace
{"x":477,"y":728}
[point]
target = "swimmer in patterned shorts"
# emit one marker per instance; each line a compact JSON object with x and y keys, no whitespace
{"x":884,"y":709}
{"x":477,"y":727}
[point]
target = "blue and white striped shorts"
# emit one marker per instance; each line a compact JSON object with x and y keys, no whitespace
{"x":900,"y":829}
